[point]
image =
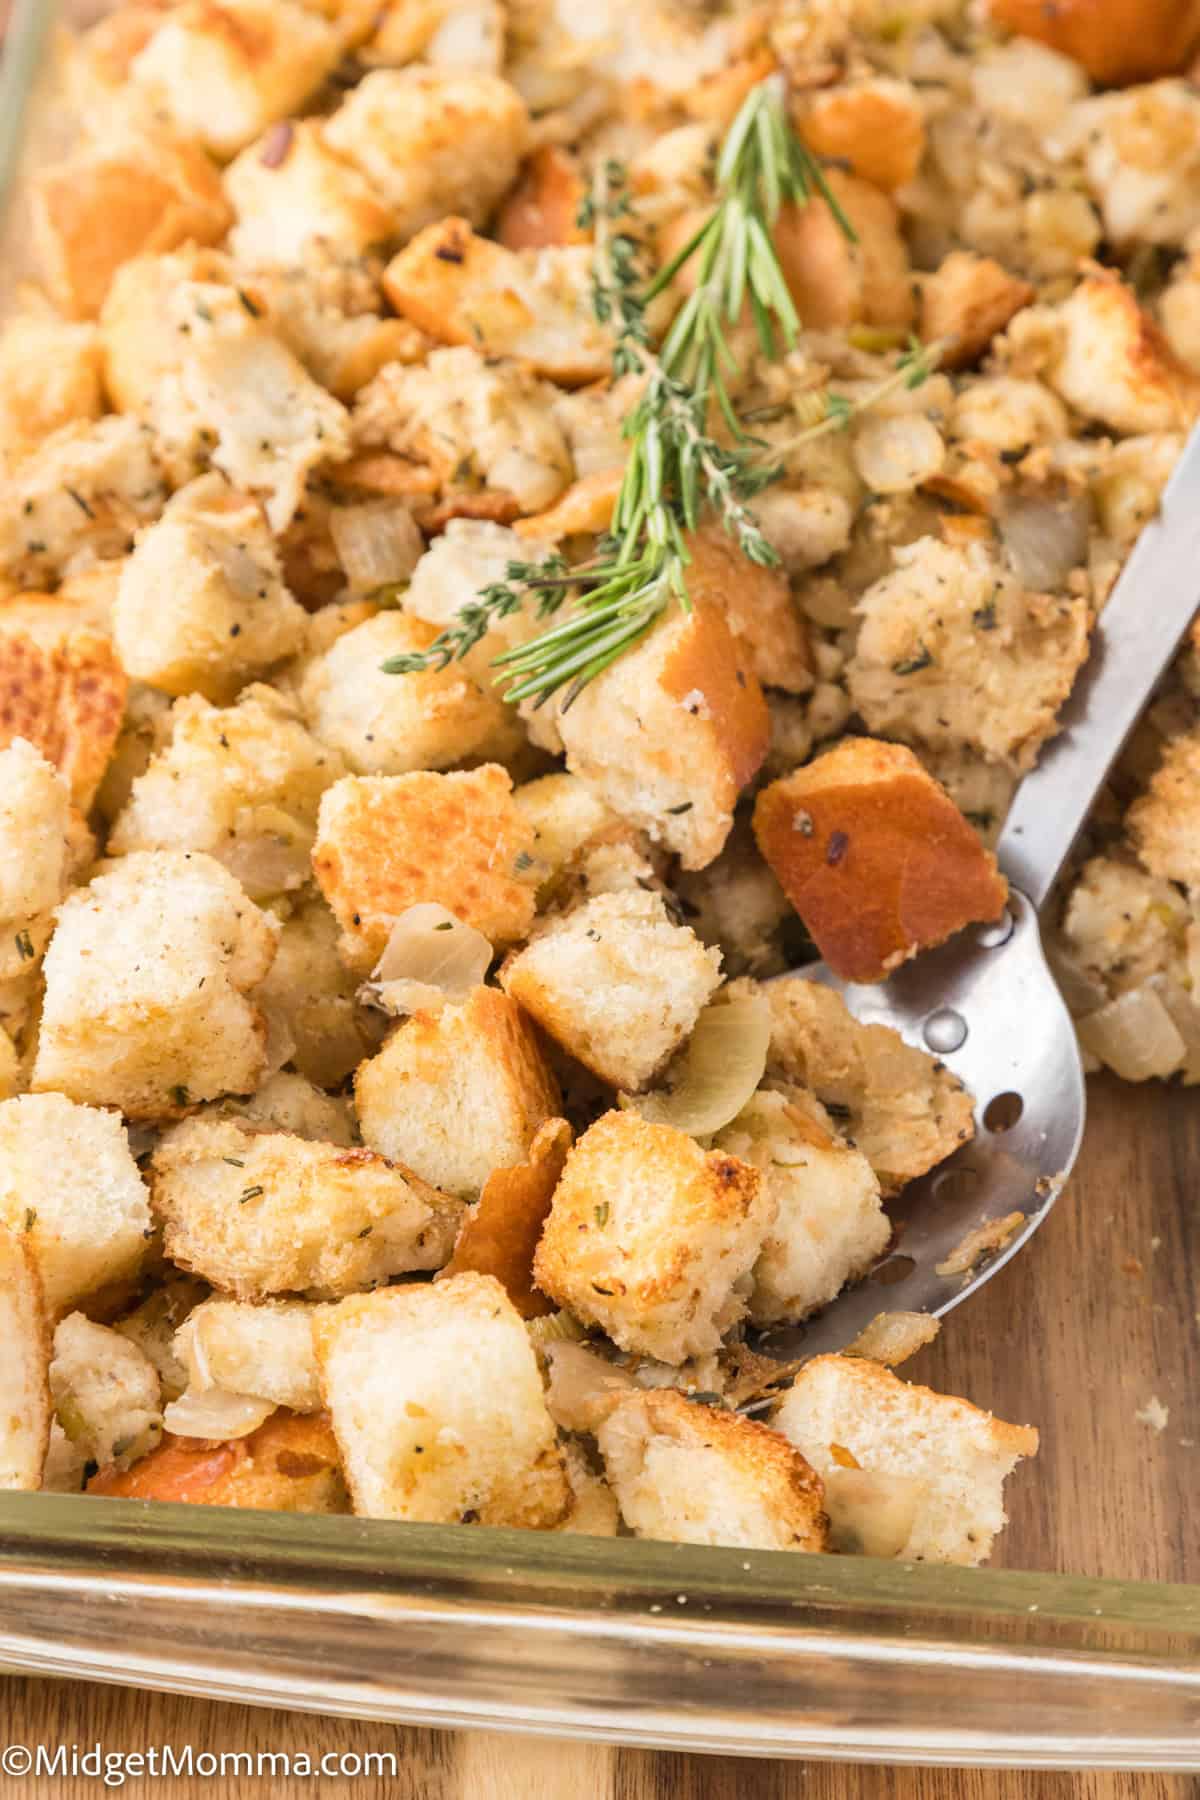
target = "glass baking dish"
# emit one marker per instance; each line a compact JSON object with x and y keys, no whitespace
{"x":687,"y":1648}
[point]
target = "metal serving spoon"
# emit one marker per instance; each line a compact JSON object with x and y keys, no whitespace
{"x":986,"y":1002}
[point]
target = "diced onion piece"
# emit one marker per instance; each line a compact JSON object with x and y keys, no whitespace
{"x":1135,"y":1036}
{"x":870,"y":1513}
{"x":1045,"y":537}
{"x":377,"y":544}
{"x":582,"y":1386}
{"x":717,"y":1073}
{"x":891,"y":1338}
{"x":430,"y":958}
{"x":216,"y":1414}
{"x":555,"y":1328}
{"x":1185,"y":1016}
{"x":895,"y":455}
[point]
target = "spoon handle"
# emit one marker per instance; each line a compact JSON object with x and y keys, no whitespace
{"x":1135,"y":638}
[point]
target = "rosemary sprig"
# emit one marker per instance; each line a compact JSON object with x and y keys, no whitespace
{"x":676,"y":469}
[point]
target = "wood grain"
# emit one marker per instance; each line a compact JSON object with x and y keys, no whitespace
{"x":1076,"y":1335}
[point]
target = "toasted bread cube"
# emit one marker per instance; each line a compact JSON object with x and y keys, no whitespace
{"x":959,"y":1455}
{"x":106,"y":1392}
{"x":566,"y":814}
{"x":901,"y":1107}
{"x":952,"y":652}
{"x":617,"y":983}
{"x":468,"y":556}
{"x":386,"y":842}
{"x":258,"y":1212}
{"x":875,"y":126}
{"x":433,"y":141}
{"x":393,"y":724}
{"x":78,"y":497}
{"x":290,"y":1464}
{"x":273,"y":424}
{"x":438,"y":1407}
{"x":1117,"y":41}
{"x":672,"y":732}
{"x":875,"y":857}
{"x":50,"y":375}
{"x":470,"y":420}
{"x":758,"y":606}
{"x":231,"y":616}
{"x":147,"y":979}
{"x":835,"y":282}
{"x":242,"y":783}
{"x":1114,"y":365}
{"x":24,"y":1364}
{"x":126,"y":196}
{"x":290,"y":1103}
{"x":265,"y":1350}
{"x":695,"y":1474}
{"x":292,"y":191}
{"x":310,"y":989}
{"x":1122,"y":925}
{"x":143,"y":346}
{"x":499,"y":1236}
{"x":70,"y":1187}
{"x":1165,"y":822}
{"x":326,"y":312}
{"x":966,"y":302}
{"x":829,"y":1224}
{"x":533,"y":305}
{"x":458,"y":1093}
{"x":650,"y":1237}
{"x":543,"y":208}
{"x":64,"y":695}
{"x":35,"y":832}
{"x":223,"y":72}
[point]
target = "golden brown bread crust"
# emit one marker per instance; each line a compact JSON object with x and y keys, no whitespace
{"x":875,"y":857}
{"x":500,"y":1235}
{"x":290,"y":1464}
{"x":706,"y":659}
{"x":758,"y":608}
{"x":876,"y":133}
{"x":587,"y":505}
{"x":965,"y":302}
{"x":835,"y":282}
{"x":67,"y":699}
{"x":1117,"y":41}
{"x":543,"y":208}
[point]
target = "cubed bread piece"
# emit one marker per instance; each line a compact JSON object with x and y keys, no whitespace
{"x":230,"y":618}
{"x":312,"y":992}
{"x":392,"y":724}
{"x":433,"y":141}
{"x":953,"y":651}
{"x":458,"y":1093}
{"x":833,"y":281}
{"x":327,"y":312}
{"x":829,"y":1224}
{"x":64,"y":694}
{"x":1141,"y":154}
{"x":78,"y":497}
{"x":386,"y":842}
{"x":499,"y":1235}
{"x":671,"y":733}
{"x":1117,"y":41}
{"x":651,"y":1238}
{"x":901,"y":1107}
{"x":843,"y":1407}
{"x":758,"y":607}
{"x":695,"y":1474}
{"x":290,"y":1464}
{"x":875,"y":857}
{"x":143,"y":346}
{"x":291,"y":191}
{"x":437,"y":1403}
{"x":874,"y":126}
{"x":272,"y":423}
{"x":241,"y":782}
{"x":265,"y":1350}
{"x":1164,"y":823}
{"x":70,"y":1188}
{"x":35,"y":833}
{"x":259,"y":1212}
{"x":471,"y":422}
{"x":1114,"y":365}
{"x":566,"y":815}
{"x":543,"y":207}
{"x":49,"y":377}
{"x":106,"y":1392}
{"x":147,"y":978}
{"x":616,"y":982}
{"x":291,"y":1103}
{"x":534,"y":305}
{"x":222,"y":72}
{"x":128,"y":195}
{"x":1123,"y":925}
{"x":470,"y":555}
{"x":24,"y":1364}
{"x":965,"y":302}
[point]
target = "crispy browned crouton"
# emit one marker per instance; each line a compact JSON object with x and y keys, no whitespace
{"x":1165,"y":822}
{"x":290,"y":1464}
{"x":385,"y":842}
{"x":1115,"y":365}
{"x":875,"y":857}
{"x":834,"y":281}
{"x":66,"y":698}
{"x":543,"y":208}
{"x":874,"y":126}
{"x":965,"y":302}
{"x":500,"y":1235}
{"x":1117,"y":41}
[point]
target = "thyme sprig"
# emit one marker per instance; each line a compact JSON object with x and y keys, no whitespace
{"x":676,"y":468}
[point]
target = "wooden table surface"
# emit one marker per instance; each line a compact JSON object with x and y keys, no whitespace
{"x":1104,"y":1289}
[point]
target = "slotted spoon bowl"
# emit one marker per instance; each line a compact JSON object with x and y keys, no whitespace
{"x":986,"y":1003}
